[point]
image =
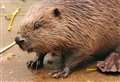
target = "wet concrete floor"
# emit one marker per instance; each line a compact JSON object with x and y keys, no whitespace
{"x":13,"y":62}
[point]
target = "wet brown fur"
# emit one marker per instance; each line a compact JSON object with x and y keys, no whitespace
{"x":86,"y":25}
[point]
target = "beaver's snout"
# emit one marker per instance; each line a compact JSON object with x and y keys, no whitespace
{"x":19,"y":39}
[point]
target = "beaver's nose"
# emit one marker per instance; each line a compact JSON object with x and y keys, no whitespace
{"x":19,"y":40}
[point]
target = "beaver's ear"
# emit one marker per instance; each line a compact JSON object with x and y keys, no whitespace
{"x":56,"y":12}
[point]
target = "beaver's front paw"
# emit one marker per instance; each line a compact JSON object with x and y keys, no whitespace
{"x":111,"y":63}
{"x":60,"y":73}
{"x":34,"y":64}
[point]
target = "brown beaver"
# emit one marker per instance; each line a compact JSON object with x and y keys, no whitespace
{"x":72,"y":29}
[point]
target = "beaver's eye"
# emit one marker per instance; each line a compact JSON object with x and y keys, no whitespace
{"x":37,"y":25}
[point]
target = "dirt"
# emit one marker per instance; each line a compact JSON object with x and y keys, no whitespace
{"x":13,"y":61}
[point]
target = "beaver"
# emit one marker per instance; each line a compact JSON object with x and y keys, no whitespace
{"x":52,"y":61}
{"x":72,"y":29}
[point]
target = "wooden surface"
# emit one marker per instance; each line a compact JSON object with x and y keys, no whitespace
{"x":13,"y":62}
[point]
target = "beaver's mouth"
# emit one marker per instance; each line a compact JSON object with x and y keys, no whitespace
{"x":30,"y":50}
{"x":26,"y":47}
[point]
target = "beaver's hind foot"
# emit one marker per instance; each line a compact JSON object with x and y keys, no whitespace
{"x":111,"y":63}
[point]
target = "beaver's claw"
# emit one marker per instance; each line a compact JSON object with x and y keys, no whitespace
{"x":111,"y":63}
{"x":34,"y":64}
{"x":60,"y":73}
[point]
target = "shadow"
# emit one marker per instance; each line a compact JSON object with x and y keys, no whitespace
{"x":109,"y":73}
{"x":92,"y":60}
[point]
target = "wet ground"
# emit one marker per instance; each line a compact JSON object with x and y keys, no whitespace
{"x":13,"y":61}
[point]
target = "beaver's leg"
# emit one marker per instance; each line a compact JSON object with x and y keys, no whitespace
{"x":37,"y":63}
{"x":69,"y":65}
{"x":53,"y":61}
{"x":111,"y":63}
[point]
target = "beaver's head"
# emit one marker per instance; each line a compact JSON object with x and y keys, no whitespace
{"x":42,"y":29}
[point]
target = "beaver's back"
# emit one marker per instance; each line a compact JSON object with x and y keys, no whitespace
{"x":87,"y":24}
{"x":94,"y":24}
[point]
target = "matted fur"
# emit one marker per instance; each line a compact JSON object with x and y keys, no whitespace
{"x":87,"y":25}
